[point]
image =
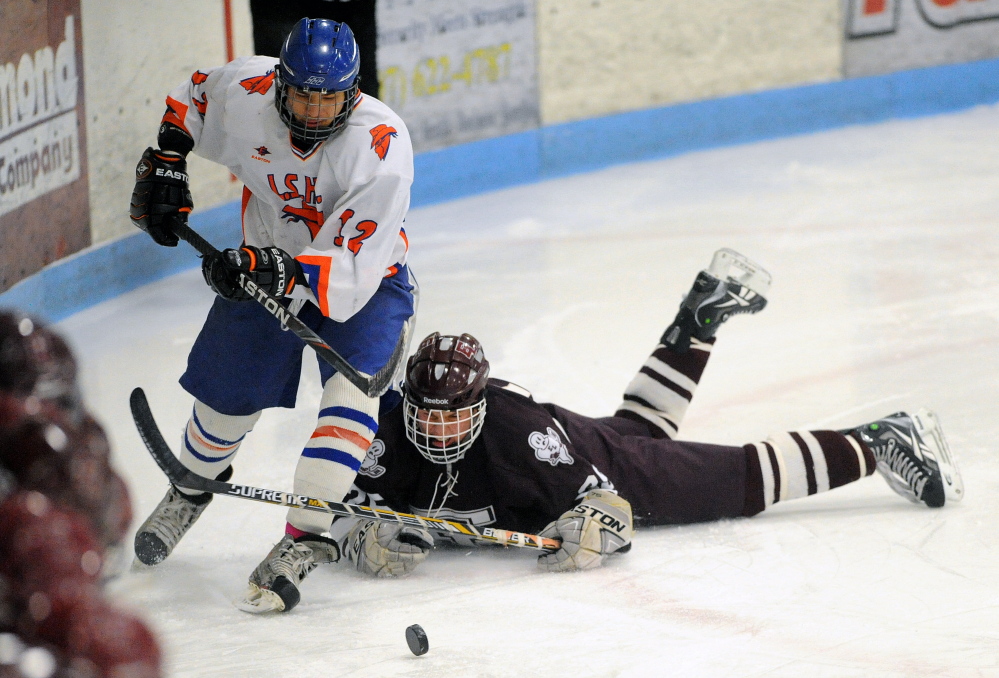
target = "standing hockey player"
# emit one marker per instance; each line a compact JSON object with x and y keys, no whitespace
{"x":327,"y":175}
{"x":466,"y":447}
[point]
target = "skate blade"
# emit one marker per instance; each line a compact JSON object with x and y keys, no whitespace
{"x":260,"y":601}
{"x":728,"y":263}
{"x":928,"y":428}
{"x":139,"y":566}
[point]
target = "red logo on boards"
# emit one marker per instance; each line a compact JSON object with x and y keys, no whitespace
{"x":873,"y":17}
{"x":381,"y":137}
{"x":258,"y":84}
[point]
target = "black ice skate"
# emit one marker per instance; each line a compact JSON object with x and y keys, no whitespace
{"x":273,"y":586}
{"x":913,"y":457}
{"x":169,"y":521}
{"x":732,"y":285}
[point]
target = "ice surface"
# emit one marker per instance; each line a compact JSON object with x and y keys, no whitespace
{"x":883,"y":242}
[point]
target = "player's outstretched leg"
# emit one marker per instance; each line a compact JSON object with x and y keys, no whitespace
{"x":913,"y":456}
{"x":169,"y":521}
{"x":273,"y":586}
{"x":731,"y":285}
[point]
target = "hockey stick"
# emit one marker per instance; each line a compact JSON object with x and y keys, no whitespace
{"x":372,"y":386}
{"x":180,"y":475}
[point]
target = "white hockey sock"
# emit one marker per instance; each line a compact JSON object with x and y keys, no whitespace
{"x":661,"y":391}
{"x":348,"y":421}
{"x":211,"y":440}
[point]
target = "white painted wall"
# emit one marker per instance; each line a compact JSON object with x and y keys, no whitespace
{"x":133,"y":54}
{"x":604,"y":56}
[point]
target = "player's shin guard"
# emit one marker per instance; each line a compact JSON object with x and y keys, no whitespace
{"x":348,"y":421}
{"x":801,"y":463}
{"x":212,"y":439}
{"x":660,"y":393}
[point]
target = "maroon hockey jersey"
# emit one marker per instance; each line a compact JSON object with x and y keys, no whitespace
{"x":534,"y":461}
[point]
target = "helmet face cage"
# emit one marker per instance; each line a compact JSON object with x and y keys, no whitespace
{"x":312,"y":127}
{"x":319,"y":59}
{"x":445,"y":396}
{"x":443,"y":436}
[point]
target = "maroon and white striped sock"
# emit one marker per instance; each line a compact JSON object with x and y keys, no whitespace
{"x":660,"y":393}
{"x":801,"y":463}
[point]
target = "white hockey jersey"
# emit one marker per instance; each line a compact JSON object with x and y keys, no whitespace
{"x":338,"y":209}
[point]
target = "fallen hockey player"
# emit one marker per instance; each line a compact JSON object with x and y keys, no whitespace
{"x":465,"y":447}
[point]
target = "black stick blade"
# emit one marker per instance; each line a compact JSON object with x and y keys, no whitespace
{"x":176,"y":473}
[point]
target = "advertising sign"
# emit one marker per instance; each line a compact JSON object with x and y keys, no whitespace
{"x":458,"y":70}
{"x":44,"y":206}
{"x":893,"y":35}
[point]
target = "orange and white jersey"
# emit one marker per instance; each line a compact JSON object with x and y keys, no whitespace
{"x":338,"y":208}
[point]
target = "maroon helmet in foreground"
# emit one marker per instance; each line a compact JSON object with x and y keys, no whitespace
{"x":61,"y":507}
{"x":444,"y":404}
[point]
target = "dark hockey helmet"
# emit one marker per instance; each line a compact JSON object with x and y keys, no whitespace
{"x":34,"y":361}
{"x":319,"y":58}
{"x":444,"y":404}
{"x":48,"y":442}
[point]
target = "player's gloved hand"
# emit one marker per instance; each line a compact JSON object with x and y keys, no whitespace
{"x":161,"y":194}
{"x":599,"y":525}
{"x":270,"y":268}
{"x":387,"y":549}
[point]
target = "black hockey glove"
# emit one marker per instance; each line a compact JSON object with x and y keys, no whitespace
{"x":269,"y":268}
{"x":161,"y":194}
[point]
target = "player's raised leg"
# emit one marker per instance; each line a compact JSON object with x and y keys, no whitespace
{"x":732,"y":285}
{"x":208,"y":446}
{"x":660,"y":393}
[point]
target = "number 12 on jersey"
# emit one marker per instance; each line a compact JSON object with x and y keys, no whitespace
{"x":365,"y":229}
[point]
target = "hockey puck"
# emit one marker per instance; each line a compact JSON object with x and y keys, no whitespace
{"x":416,"y":638}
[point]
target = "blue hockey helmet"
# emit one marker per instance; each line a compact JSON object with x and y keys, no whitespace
{"x":319,"y":60}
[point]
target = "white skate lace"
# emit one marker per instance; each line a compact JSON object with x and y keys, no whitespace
{"x":294,"y":561}
{"x":902,"y":467}
{"x":171,"y":520}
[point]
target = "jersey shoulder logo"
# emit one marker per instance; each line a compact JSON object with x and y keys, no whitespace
{"x":258,"y":84}
{"x":381,"y":138}
{"x":549,"y":447}
{"x":199,"y":77}
{"x":201,"y":104}
{"x":370,"y":466}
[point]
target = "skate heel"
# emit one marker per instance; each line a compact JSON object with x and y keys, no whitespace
{"x":928,"y":427}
